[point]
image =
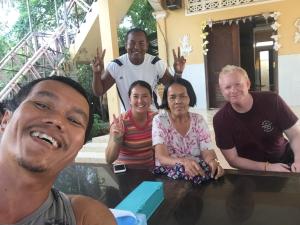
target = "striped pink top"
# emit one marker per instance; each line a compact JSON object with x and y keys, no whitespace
{"x":136,"y":150}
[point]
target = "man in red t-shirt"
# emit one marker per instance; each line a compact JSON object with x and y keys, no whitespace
{"x":249,"y":127}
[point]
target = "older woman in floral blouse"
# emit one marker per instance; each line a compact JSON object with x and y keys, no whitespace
{"x":183,"y":148}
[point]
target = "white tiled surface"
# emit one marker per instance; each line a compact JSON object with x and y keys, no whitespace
{"x":94,"y":152}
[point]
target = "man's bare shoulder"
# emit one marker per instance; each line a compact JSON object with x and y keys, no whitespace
{"x":90,"y":212}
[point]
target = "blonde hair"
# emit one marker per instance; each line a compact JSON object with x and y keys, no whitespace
{"x":228,"y":69}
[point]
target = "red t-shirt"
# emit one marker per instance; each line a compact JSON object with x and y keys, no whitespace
{"x":136,"y":150}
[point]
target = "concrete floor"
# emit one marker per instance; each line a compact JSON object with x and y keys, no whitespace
{"x":93,"y":152}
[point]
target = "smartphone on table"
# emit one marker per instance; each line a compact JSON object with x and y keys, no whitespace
{"x":119,"y":168}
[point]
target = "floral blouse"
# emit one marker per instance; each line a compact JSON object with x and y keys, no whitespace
{"x":190,"y":145}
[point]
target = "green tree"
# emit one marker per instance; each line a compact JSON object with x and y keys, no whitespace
{"x":100,"y":125}
{"x":140,"y":15}
{"x":42,"y":14}
{"x":5,"y":46}
{"x":43,"y":17}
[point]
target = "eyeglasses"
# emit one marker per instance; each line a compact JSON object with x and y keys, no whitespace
{"x":180,"y":98}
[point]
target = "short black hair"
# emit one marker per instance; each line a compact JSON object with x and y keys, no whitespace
{"x":189,"y":89}
{"x":142,"y":84}
{"x":25,"y":90}
{"x":136,"y":30}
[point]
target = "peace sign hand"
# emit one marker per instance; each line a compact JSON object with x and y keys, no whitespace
{"x":117,"y":128}
{"x":97,"y":63}
{"x":179,"y":61}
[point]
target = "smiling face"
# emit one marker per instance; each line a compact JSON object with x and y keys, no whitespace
{"x":48,"y":128}
{"x":178,"y":100}
{"x":235,"y":87}
{"x":136,"y":47}
{"x":140,"y":99}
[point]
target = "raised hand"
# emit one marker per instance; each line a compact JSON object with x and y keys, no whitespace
{"x":117,"y":128}
{"x":97,"y":63}
{"x":179,"y":61}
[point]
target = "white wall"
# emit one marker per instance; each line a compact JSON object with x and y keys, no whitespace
{"x":195,"y":74}
{"x":289,"y":78}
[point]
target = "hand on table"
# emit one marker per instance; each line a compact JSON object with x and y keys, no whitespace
{"x":278,"y":167}
{"x":215,"y":168}
{"x":192,"y":168}
{"x":295,"y":167}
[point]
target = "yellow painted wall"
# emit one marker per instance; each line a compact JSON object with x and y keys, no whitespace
{"x":178,"y":24}
{"x":110,"y":13}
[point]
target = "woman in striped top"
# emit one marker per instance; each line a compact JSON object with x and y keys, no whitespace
{"x":130,"y":140}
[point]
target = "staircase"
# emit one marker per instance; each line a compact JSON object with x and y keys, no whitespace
{"x":41,"y":54}
{"x":94,"y":151}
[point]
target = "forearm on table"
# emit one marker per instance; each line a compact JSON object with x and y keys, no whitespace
{"x":247,"y":164}
{"x":208,"y":155}
{"x":164,"y":158}
{"x":170,"y":161}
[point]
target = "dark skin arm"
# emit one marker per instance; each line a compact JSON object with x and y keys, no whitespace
{"x":179,"y":64}
{"x":102,"y":79}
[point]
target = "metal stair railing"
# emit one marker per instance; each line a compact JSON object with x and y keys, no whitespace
{"x":38,"y":55}
{"x":20,"y":54}
{"x":30,"y":67}
{"x":72,"y":27}
{"x":15,"y":59}
{"x":81,"y":3}
{"x":9,"y":56}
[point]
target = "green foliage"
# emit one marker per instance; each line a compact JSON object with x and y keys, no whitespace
{"x":42,"y":14}
{"x":100,"y":127}
{"x":5,"y":46}
{"x":140,"y":14}
{"x":85,"y":77}
{"x":2,"y":84}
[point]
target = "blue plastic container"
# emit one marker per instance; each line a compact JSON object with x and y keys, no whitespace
{"x":144,"y":199}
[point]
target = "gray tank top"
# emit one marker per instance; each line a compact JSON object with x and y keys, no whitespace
{"x":56,"y":210}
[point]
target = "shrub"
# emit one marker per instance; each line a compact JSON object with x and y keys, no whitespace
{"x":99,"y":128}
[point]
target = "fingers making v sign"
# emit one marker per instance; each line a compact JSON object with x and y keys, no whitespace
{"x":117,"y":128}
{"x":98,"y":62}
{"x":179,"y":62}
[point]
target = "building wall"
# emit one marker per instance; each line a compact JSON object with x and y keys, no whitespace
{"x":177,"y":24}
